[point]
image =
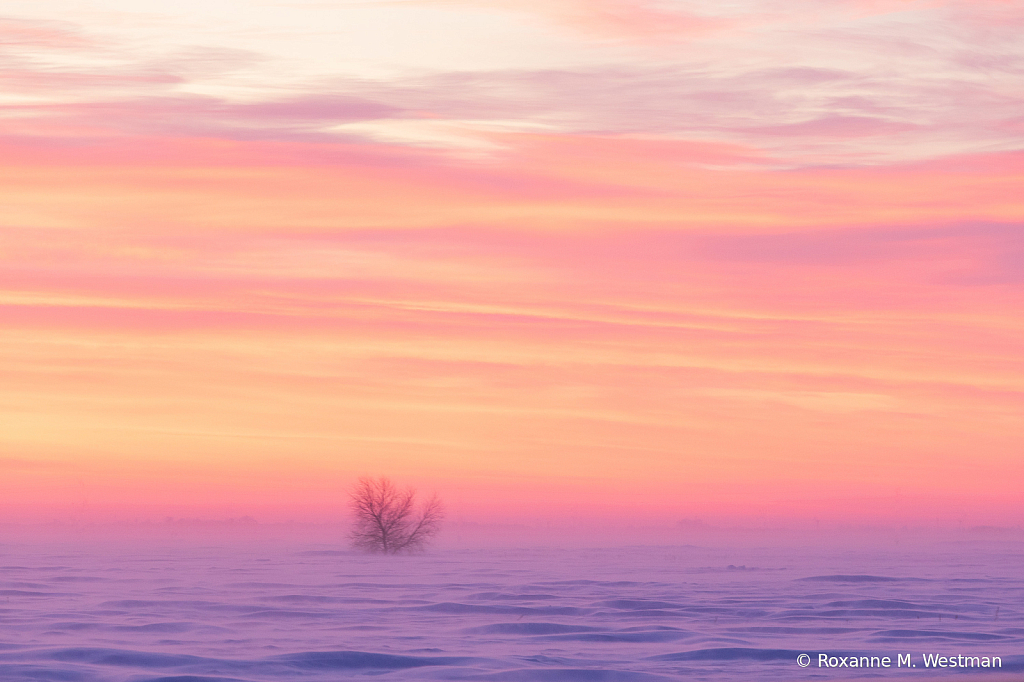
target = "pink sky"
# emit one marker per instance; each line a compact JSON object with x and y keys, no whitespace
{"x":607,"y":259}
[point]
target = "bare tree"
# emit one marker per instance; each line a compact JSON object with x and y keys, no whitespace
{"x":387,"y":519}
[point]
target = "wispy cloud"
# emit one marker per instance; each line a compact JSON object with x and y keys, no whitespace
{"x":632,"y":20}
{"x":858,"y":91}
{"x":783,"y":240}
{"x":51,"y":35}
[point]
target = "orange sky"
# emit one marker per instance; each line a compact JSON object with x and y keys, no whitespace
{"x":702,"y":284}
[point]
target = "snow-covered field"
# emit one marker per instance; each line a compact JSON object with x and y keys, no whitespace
{"x":192,"y":613}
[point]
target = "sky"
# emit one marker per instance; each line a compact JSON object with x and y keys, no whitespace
{"x":744,"y":262}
